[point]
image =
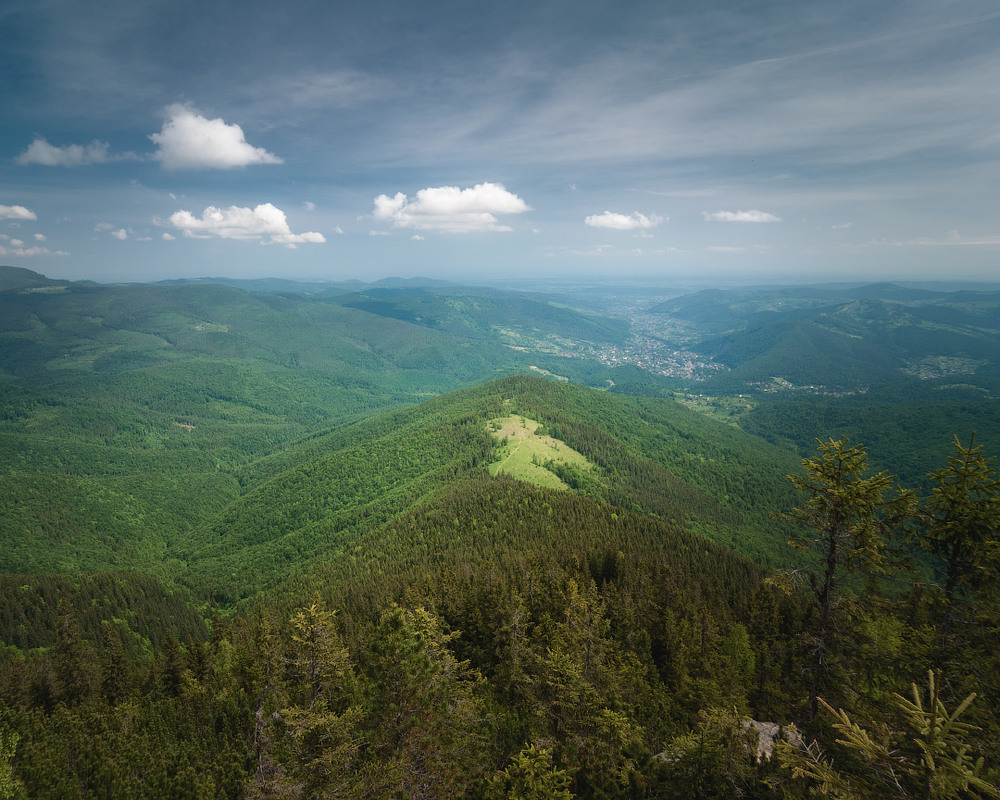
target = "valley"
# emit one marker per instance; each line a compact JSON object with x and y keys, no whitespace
{"x":330,"y":539}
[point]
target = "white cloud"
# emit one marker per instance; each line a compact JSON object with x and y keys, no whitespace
{"x":28,"y":252}
{"x":72,"y":155}
{"x":450,"y":209}
{"x":167,"y":237}
{"x":235,"y":222}
{"x":40,"y":237}
{"x":16,"y":243}
{"x":753,"y":215}
{"x":623,"y":222}
{"x":190,"y":141}
{"x":121,"y":234}
{"x":310,"y":206}
{"x":417,"y":237}
{"x":16,"y":212}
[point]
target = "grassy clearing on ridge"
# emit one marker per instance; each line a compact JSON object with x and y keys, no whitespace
{"x":526,"y":451}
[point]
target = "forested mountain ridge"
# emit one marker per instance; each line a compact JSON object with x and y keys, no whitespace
{"x":842,"y":339}
{"x":238,"y":531}
{"x":899,"y":368}
{"x":228,"y":572}
{"x":499,"y":638}
{"x":651,"y":456}
{"x":126,"y":411}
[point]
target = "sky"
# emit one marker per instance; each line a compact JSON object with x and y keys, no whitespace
{"x":731,"y":141}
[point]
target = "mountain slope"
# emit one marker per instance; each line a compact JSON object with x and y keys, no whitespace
{"x":841,"y":339}
{"x":311,"y":503}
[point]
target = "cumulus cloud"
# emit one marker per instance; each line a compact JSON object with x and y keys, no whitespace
{"x":121,"y":234}
{"x":190,"y":141}
{"x":71,"y":155}
{"x":167,"y":237}
{"x":623,"y":222}
{"x":265,"y":222}
{"x":450,"y":209}
{"x":40,"y":237}
{"x":16,"y":212}
{"x":753,"y":215}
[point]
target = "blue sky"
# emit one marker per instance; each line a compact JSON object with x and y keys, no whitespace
{"x":730,"y":141}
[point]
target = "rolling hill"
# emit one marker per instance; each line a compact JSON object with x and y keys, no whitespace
{"x":842,"y":339}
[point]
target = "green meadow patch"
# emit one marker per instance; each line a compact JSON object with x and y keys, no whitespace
{"x":530,"y":456}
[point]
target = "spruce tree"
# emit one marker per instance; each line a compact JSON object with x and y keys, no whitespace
{"x":929,"y":756}
{"x":850,"y":514}
{"x":958,"y":527}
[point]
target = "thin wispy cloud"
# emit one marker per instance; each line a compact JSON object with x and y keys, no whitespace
{"x":73,"y":155}
{"x":953,"y":240}
{"x":734,"y":113}
{"x":753,"y":215}
{"x":12,"y":246}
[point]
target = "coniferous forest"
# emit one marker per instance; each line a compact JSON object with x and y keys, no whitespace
{"x":277,"y":546}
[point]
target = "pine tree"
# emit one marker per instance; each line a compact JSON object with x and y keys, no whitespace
{"x":323,"y":717}
{"x":929,"y":758}
{"x":116,"y":678}
{"x":425,"y":710}
{"x":11,"y":787}
{"x":531,"y":775}
{"x":72,"y":660}
{"x":850,"y":514}
{"x":958,"y":527}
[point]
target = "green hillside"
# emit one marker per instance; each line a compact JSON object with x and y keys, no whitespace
{"x":650,"y":456}
{"x":840,"y":339}
{"x":317,"y":544}
{"x":126,"y":412}
{"x":480,"y":633}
